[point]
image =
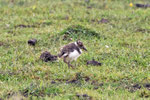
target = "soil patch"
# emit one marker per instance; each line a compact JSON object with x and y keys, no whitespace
{"x":35,"y":25}
{"x":142,"y":5}
{"x":147,"y":85}
{"x":47,"y":56}
{"x":1,"y":43}
{"x":84,"y":97}
{"x":40,"y":91}
{"x":103,"y":21}
{"x":32,"y":42}
{"x":94,"y":63}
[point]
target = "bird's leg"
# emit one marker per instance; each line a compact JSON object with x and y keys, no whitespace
{"x":75,"y":62}
{"x":71,"y":64}
{"x":68,"y":63}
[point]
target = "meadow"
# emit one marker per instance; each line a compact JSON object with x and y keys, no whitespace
{"x":115,"y":33}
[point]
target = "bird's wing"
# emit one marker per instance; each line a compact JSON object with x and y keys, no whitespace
{"x":63,"y":53}
{"x":66,"y":49}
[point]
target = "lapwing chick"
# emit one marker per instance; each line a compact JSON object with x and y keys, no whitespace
{"x":71,"y":52}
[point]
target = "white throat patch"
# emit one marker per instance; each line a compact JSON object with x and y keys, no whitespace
{"x":76,"y":43}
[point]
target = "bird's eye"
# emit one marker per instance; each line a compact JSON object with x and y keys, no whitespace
{"x":80,"y":43}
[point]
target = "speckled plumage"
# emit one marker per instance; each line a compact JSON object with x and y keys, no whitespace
{"x":71,"y":52}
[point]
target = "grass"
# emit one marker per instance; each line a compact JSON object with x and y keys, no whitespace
{"x":122,"y":45}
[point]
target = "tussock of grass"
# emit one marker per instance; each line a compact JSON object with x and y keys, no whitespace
{"x":78,"y":31}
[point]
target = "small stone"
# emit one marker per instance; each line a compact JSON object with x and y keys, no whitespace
{"x":106,"y":46}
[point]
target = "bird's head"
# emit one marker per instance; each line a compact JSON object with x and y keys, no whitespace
{"x":81,"y":45}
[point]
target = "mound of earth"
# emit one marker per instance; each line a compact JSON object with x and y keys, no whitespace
{"x":77,"y":32}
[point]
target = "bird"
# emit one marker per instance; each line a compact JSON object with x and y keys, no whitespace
{"x":71,"y":52}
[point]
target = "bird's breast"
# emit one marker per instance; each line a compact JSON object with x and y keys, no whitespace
{"x":74,"y":55}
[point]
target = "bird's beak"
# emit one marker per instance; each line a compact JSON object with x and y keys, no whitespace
{"x":84,"y":49}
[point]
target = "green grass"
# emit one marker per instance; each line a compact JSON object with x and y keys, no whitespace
{"x":122,"y":46}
